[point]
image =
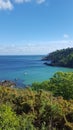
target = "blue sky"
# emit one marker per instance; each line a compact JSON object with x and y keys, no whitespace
{"x":35,"y":26}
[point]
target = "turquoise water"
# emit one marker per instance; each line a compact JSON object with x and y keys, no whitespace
{"x":24,"y":70}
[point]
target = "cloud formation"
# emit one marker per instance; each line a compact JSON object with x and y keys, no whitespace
{"x":9,"y":4}
{"x":40,"y":1}
{"x":6,"y":4}
{"x":26,"y":1}
{"x":22,"y":1}
{"x":34,"y":48}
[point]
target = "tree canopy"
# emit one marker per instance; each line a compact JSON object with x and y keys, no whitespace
{"x":63,"y":57}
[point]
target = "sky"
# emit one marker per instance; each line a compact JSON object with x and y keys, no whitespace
{"x":30,"y":27}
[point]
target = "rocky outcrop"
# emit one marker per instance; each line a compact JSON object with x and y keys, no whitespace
{"x":7,"y":83}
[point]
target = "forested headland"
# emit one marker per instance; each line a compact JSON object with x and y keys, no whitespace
{"x":63,"y":57}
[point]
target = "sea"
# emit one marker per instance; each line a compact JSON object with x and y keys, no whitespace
{"x":26,"y":69}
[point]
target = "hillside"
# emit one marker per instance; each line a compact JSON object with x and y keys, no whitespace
{"x":43,"y":106}
{"x":63,"y":57}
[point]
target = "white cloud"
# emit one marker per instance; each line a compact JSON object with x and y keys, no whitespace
{"x":6,"y":4}
{"x":26,"y":1}
{"x":22,"y":1}
{"x":33,"y":48}
{"x":40,"y":1}
{"x":9,"y":4}
{"x":66,"y":36}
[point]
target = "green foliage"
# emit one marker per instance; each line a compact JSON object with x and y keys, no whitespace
{"x":61,"y":84}
{"x":62,"y":57}
{"x":26,"y":122}
{"x":38,"y":86}
{"x":8,"y":119}
{"x":44,"y":106}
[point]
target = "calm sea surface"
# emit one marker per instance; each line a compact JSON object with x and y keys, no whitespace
{"x":24,"y":70}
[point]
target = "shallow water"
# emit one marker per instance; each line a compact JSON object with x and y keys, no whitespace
{"x":24,"y":70}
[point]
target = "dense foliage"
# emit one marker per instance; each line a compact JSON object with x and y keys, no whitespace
{"x":61,"y":84}
{"x":44,"y":106}
{"x":62,"y":57}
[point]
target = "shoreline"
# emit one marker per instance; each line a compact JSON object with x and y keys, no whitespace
{"x":50,"y":64}
{"x":12,"y":84}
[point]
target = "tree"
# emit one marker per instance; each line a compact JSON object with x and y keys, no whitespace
{"x":61,"y":84}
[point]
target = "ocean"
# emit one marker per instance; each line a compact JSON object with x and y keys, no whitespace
{"x":24,"y":70}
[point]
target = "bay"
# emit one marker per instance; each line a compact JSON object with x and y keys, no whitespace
{"x":24,"y":70}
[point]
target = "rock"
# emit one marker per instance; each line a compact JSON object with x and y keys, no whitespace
{"x":7,"y":83}
{"x":48,"y":63}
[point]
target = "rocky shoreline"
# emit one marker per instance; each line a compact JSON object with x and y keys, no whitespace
{"x":7,"y":83}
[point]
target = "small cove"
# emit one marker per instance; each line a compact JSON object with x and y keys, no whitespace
{"x":24,"y":70}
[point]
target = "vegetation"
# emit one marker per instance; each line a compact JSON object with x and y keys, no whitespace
{"x":44,"y":106}
{"x":61,"y":84}
{"x":62,"y":58}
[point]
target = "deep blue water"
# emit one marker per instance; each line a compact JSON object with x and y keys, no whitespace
{"x":25,"y":70}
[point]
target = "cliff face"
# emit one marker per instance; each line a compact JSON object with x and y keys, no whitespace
{"x":62,"y":58}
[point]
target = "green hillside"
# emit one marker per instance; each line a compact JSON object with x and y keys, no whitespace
{"x":43,"y":106}
{"x":63,"y":57}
